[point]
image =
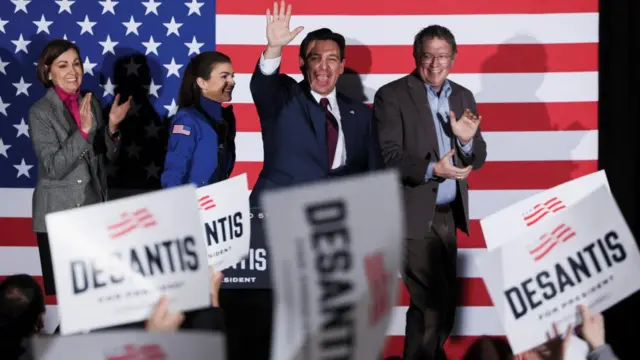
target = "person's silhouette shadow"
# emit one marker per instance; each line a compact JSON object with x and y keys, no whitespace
{"x":144,"y":136}
{"x":357,"y":67}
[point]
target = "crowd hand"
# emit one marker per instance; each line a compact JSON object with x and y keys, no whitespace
{"x":86,"y":116}
{"x":118,"y":112}
{"x":465,"y":128}
{"x":161,"y":319}
{"x":445,"y":168}
{"x":554,"y":349}
{"x":592,"y":329}
{"x":278,"y":32}
{"x":216,"y":281}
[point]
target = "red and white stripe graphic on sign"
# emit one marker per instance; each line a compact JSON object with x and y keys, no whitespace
{"x":379,"y":279}
{"x":133,"y":352}
{"x":539,"y":211}
{"x":206,"y":203}
{"x":547,"y":242}
{"x":141,"y":218}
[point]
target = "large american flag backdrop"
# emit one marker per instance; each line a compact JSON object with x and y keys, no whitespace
{"x":531,"y":64}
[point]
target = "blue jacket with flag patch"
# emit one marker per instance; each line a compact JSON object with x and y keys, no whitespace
{"x":192,"y":152}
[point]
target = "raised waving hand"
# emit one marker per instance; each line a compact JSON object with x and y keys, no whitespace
{"x":278,"y":32}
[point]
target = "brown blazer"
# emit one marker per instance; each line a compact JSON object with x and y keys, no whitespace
{"x":71,"y":170}
{"x":408,"y":142}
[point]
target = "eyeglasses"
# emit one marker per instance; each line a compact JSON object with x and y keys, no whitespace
{"x":442,"y":58}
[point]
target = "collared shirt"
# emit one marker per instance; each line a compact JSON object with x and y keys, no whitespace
{"x":440,"y":109}
{"x":268,"y":66}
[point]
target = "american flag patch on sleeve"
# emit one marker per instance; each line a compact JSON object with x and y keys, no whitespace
{"x":181,"y":129}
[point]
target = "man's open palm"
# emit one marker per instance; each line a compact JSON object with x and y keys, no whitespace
{"x":278,"y":33}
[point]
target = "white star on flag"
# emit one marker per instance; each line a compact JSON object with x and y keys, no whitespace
{"x":108,"y":45}
{"x":87,"y":25}
{"x":151,"y":46}
{"x":152,"y":7}
{"x":3,"y":107}
{"x":173,"y":68}
{"x":21,"y":5}
{"x":152,"y":88}
{"x":172,"y":27}
{"x":132,"y":26}
{"x":88,"y":66}
{"x":4,"y":148}
{"x":23,"y":128}
{"x":43,"y":25}
{"x":23,"y":169}
{"x":108,"y":6}
{"x":22,"y":87}
{"x":194,"y":7}
{"x":194,"y":46}
{"x":65,"y":5}
{"x":21,"y":44}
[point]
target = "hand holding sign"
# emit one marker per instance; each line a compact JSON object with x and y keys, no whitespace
{"x":163,"y":320}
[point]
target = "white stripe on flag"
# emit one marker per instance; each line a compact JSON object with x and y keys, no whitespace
{"x":487,"y":88}
{"x":502,"y":146}
{"x":468,"y":29}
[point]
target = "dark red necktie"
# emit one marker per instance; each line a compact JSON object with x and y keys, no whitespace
{"x":332,"y":130}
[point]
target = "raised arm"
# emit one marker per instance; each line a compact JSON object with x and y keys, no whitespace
{"x":269,"y":89}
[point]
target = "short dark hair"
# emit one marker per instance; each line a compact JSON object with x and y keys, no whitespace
{"x":21,"y":304}
{"x":200,"y":66}
{"x":322,"y":34}
{"x":49,"y":54}
{"x":432,"y":32}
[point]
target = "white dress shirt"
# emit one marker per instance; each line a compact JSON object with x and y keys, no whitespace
{"x":268,"y":66}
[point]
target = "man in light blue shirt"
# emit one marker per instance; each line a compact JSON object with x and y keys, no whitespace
{"x":429,"y":129}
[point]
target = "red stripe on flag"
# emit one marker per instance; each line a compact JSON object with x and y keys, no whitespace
{"x":495,"y":116}
{"x":16,"y":232}
{"x":471,"y":292}
{"x":513,"y":175}
{"x":19,"y":231}
{"x":503,"y":175}
{"x":506,"y":58}
{"x":411,"y":7}
{"x":455,"y":346}
{"x":48,"y":299}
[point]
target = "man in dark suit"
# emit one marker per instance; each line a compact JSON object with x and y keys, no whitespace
{"x":309,"y":131}
{"x":429,"y":130}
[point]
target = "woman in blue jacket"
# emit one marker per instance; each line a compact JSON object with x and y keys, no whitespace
{"x":201,"y":147}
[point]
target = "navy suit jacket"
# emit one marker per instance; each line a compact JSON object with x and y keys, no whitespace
{"x":294,"y":134}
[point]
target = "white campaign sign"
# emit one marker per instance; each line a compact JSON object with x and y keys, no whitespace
{"x":129,"y":345}
{"x":112,"y":261}
{"x":335,"y":251}
{"x":224,"y":210}
{"x":585,"y":254}
{"x":498,"y":227}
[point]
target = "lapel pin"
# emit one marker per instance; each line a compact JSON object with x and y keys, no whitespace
{"x":352,"y":112}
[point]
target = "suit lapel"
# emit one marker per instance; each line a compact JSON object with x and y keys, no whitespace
{"x":425,"y":122}
{"x":61,"y":110}
{"x":317,"y":121}
{"x":455,"y":105}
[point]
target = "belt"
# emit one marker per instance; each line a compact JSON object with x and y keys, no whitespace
{"x":444,"y":208}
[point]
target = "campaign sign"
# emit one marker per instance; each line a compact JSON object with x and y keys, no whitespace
{"x":498,"y":227}
{"x":224,"y":211}
{"x":583,"y":255}
{"x":252,"y":272}
{"x":112,"y":261}
{"x":335,"y":250}
{"x":131,"y":345}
